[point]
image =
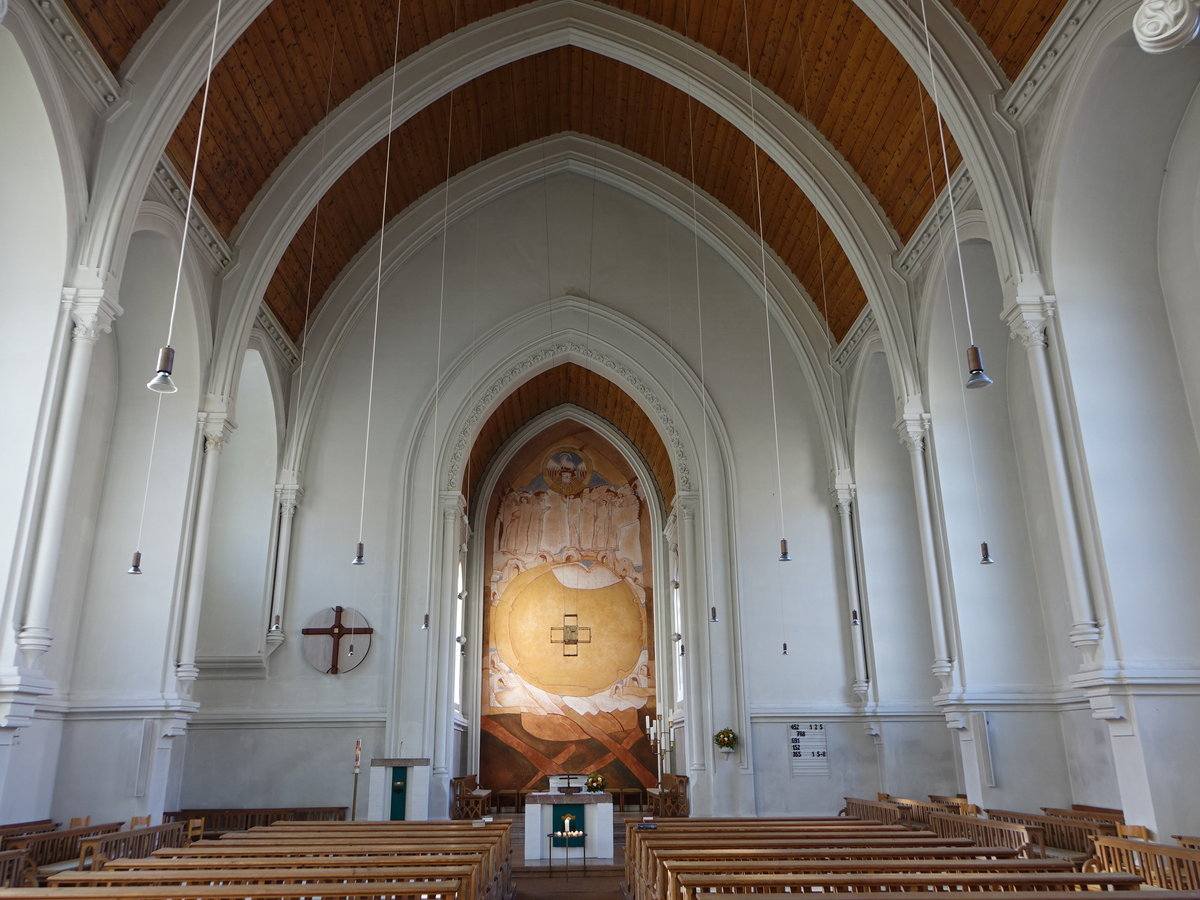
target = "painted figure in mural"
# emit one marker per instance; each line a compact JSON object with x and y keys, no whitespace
{"x":567,"y":471}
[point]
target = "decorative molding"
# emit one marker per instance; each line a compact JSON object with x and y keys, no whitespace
{"x":1161,"y":26}
{"x":227,"y":667}
{"x":1027,"y":319}
{"x":863,"y":327}
{"x":1044,"y":68}
{"x":266,"y":320}
{"x":216,"y":719}
{"x":200,"y":226}
{"x":533,"y":360}
{"x":913,"y":431}
{"x":92,"y":73}
{"x":909,"y":258}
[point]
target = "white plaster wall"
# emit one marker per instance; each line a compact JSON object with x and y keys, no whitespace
{"x":901,"y":639}
{"x":998,"y":609}
{"x":298,"y":765}
{"x":1133,"y":412}
{"x":1089,"y":759}
{"x":233,"y":617}
{"x":33,"y":247}
{"x":125,"y":620}
{"x":1028,"y":761}
{"x":916,"y":757}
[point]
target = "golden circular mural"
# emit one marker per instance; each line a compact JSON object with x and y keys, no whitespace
{"x":536,"y":602}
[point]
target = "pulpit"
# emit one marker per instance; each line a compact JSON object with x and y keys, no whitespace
{"x":544,"y":812}
{"x":398,"y":790}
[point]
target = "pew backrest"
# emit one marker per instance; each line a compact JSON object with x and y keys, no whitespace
{"x":984,"y":832}
{"x":1161,"y":865}
{"x":20,"y":829}
{"x":47,"y":848}
{"x":885,"y":811}
{"x":220,"y":820}
{"x":1072,"y":835}
{"x":95,"y":852}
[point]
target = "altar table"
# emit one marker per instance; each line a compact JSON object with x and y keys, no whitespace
{"x":597,"y":823}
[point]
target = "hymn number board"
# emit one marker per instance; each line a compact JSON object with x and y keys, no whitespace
{"x":808,"y":748}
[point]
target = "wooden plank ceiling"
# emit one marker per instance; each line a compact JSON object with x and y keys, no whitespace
{"x":299,"y":56}
{"x":824,"y":58}
{"x":570,"y":383}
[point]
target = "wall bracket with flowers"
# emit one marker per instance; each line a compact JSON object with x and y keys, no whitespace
{"x":726,"y":740}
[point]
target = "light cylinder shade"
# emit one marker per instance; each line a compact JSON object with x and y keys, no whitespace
{"x":977,"y":378}
{"x":136,"y":567}
{"x":784,"y":556}
{"x":712,"y":615}
{"x":785,"y":653}
{"x":161,"y":383}
{"x":358,"y":555}
{"x":985,"y":558}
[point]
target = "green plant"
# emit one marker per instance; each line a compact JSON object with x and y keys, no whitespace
{"x":726,"y":739}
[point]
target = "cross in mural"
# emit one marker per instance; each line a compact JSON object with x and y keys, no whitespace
{"x":572,"y":634}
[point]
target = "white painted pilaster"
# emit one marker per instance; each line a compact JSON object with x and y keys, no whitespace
{"x":843,"y":499}
{"x":287,"y":498}
{"x":93,"y":311}
{"x":913,"y":432}
{"x":216,"y":428}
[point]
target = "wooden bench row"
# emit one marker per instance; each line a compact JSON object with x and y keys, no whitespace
{"x":219,"y":820}
{"x":1161,"y":865}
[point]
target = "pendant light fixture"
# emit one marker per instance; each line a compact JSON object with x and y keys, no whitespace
{"x":135,"y":567}
{"x":784,"y":556}
{"x":708,"y":492}
{"x":359,"y":556}
{"x":162,"y":383}
{"x":977,"y":377}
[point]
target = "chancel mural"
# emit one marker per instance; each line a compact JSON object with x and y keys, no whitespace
{"x":568,"y":674}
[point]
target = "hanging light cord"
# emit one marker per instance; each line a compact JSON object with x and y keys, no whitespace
{"x":312,"y":249}
{"x":762,"y":249}
{"x":962,"y":274}
{"x":187,"y":215}
{"x":437,"y":372}
{"x":387,"y":164}
{"x":962,"y":391}
{"x":149,"y":469}
{"x":708,"y":491}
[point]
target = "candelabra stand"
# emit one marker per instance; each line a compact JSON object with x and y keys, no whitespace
{"x":662,"y":740}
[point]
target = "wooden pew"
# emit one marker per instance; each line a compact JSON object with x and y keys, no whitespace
{"x":95,"y":852}
{"x":920,"y":810}
{"x":1161,"y":865}
{"x":984,"y":832}
{"x":639,"y":855}
{"x":807,"y":855}
{"x":668,"y":868}
{"x":472,"y":829}
{"x":310,"y":876}
{"x":886,"y":812}
{"x":497,"y":868}
{"x":1192,"y":842}
{"x":975,"y":895}
{"x":220,"y":820}
{"x":469,"y":867}
{"x":467,"y":799}
{"x":425,"y":890}
{"x":20,"y":829}
{"x":1116,"y":817}
{"x":1069,"y":835}
{"x":16,"y":870}
{"x":51,"y":851}
{"x":749,"y":883}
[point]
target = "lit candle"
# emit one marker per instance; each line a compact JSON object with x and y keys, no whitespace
{"x":647,"y":724}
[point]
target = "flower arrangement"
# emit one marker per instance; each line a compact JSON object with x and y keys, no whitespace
{"x":595,"y":782}
{"x":726,"y":739}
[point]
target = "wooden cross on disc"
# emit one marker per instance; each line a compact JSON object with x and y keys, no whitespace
{"x":571,"y":634}
{"x":336,"y":640}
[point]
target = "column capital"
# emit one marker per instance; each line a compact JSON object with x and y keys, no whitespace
{"x":289,"y":496}
{"x":93,"y":310}
{"x":843,"y":496}
{"x":685,"y":505}
{"x":452,"y":504}
{"x":217,"y":428}
{"x":1164,"y":25}
{"x":1027,"y":318}
{"x":913,"y":430}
